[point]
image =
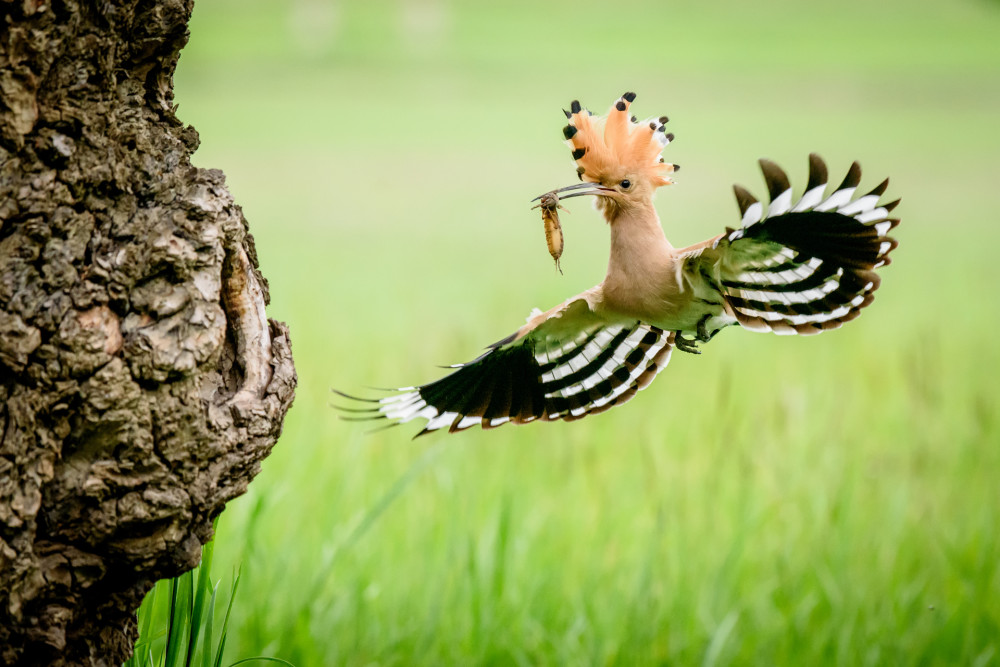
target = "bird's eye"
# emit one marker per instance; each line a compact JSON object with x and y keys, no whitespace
{"x":626,"y":184}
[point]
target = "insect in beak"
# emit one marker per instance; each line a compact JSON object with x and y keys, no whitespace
{"x":549,"y":203}
{"x":583,"y":188}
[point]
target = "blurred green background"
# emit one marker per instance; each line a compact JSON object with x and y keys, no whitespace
{"x":825,"y":500}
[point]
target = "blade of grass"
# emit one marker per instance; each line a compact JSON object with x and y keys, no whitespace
{"x":198,"y":610}
{"x":206,"y":645}
{"x":180,"y":619}
{"x":146,"y":612}
{"x":372,"y":514}
{"x":500,"y":553}
{"x":394,"y":491}
{"x":171,"y":621}
{"x":719,"y":638}
{"x":225,"y":622}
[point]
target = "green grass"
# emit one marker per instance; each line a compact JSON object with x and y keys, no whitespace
{"x":183,"y":622}
{"x":830,"y":500}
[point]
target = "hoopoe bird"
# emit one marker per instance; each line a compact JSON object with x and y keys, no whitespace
{"x":792,"y":267}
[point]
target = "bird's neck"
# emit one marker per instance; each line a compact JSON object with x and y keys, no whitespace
{"x":638,"y":244}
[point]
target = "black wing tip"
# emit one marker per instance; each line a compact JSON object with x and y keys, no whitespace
{"x":342,"y":408}
{"x":853,"y":178}
{"x":743,"y":198}
{"x":353,"y":397}
{"x":818,"y":174}
{"x":370,"y":418}
{"x":383,"y":427}
{"x":775,"y":177}
{"x":879,"y":189}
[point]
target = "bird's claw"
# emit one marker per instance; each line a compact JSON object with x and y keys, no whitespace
{"x":689,"y":345}
{"x":703,"y":335}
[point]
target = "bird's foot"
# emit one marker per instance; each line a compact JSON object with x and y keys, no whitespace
{"x":703,"y":335}
{"x":689,"y":345}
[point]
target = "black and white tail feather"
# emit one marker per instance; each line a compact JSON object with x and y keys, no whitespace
{"x":806,"y":266}
{"x":796,"y":267}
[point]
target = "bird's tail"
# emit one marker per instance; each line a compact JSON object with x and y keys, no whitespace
{"x":805,"y":266}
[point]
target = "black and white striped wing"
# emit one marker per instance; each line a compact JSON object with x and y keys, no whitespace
{"x":805,"y":266}
{"x":568,"y":365}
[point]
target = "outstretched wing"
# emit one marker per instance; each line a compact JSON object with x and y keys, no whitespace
{"x":805,"y":266}
{"x":563,"y":364}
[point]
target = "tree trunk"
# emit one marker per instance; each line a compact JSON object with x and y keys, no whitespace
{"x":141,"y":383}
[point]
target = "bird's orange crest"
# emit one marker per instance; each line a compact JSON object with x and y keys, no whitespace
{"x":604,"y":146}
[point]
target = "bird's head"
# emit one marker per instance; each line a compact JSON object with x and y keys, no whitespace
{"x":618,"y":157}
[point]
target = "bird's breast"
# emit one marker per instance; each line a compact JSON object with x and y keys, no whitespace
{"x":668,"y":295}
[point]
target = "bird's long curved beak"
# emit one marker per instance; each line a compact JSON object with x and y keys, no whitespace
{"x":578,"y":190}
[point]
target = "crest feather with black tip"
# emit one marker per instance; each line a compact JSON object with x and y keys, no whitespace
{"x":617,"y":142}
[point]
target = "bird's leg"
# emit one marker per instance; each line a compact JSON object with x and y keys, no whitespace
{"x":689,"y":345}
{"x":703,"y":334}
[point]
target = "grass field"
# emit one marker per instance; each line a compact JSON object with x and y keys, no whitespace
{"x":825,"y":500}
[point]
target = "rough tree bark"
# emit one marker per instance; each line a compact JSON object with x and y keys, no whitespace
{"x":141,"y":383}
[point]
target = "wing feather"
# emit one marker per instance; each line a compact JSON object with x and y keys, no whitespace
{"x":563,"y":364}
{"x":807,"y":266}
